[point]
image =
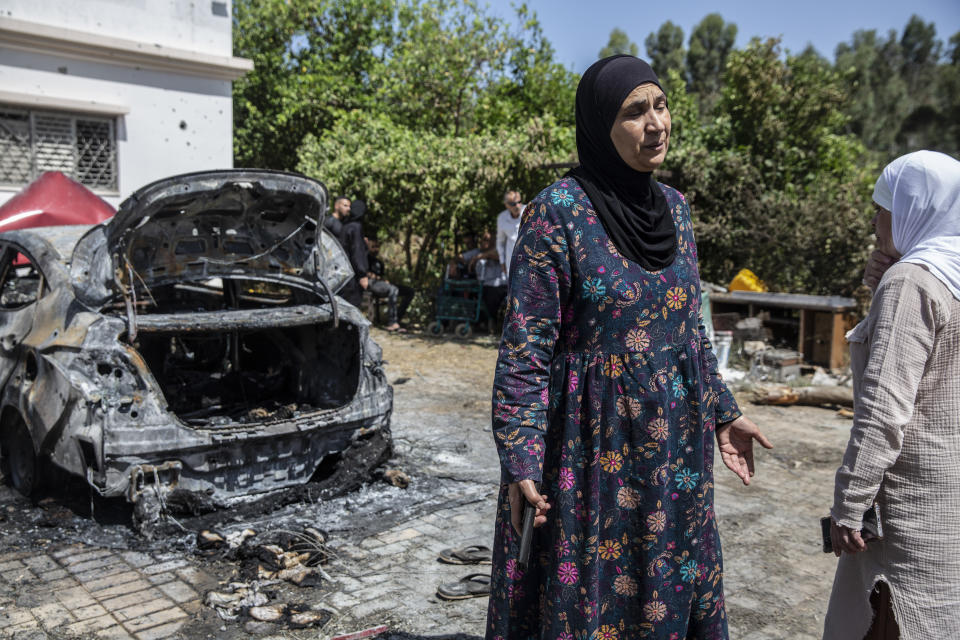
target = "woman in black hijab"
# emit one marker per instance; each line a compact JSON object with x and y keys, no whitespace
{"x":607,"y":391}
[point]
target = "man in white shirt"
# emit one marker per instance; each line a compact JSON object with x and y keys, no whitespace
{"x":508,"y":226}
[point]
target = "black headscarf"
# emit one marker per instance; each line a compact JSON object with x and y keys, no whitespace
{"x":629,"y":203}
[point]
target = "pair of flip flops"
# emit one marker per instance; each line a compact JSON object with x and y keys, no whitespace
{"x":474,"y":585}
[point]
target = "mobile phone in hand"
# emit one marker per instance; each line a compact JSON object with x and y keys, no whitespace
{"x":871,"y":529}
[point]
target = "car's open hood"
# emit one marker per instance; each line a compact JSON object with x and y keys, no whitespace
{"x":236,"y":223}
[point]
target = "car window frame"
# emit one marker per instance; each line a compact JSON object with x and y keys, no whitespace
{"x":8,"y":256}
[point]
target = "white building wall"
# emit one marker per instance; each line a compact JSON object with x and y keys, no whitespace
{"x":174,"y":122}
{"x":196,"y":25}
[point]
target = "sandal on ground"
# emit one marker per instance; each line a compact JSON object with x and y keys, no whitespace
{"x":473,"y":554}
{"x":396,"y":329}
{"x":475,"y":585}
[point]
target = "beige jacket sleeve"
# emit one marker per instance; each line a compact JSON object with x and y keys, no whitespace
{"x":902,"y":326}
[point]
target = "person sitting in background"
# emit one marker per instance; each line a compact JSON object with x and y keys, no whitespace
{"x":460,"y":267}
{"x":486,"y":266}
{"x":356,"y":248}
{"x":398,"y":296}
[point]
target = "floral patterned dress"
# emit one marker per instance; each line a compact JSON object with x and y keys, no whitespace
{"x":606,"y":389}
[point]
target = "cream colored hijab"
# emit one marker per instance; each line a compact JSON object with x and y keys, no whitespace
{"x":922,"y":191}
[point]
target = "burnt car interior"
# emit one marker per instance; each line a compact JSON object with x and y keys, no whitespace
{"x":20,"y":281}
{"x":230,"y":349}
{"x":261,"y":372}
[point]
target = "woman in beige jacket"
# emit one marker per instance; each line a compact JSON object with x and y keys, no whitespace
{"x":904,"y":448}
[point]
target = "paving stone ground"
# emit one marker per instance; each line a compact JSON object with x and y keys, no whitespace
{"x":80,"y":590}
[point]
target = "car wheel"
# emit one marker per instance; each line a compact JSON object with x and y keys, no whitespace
{"x":20,"y":465}
{"x":435,"y":328}
{"x":464,"y":330}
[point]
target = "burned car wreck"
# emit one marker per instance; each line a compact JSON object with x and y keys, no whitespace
{"x":194,"y":342}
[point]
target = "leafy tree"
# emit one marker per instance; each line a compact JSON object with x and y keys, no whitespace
{"x":711,"y":41}
{"x":920,"y":53}
{"x":877,"y":95}
{"x":425,"y":186}
{"x":665,"y":49}
{"x":954,"y":52}
{"x":775,"y":185}
{"x":537,"y":83}
{"x":619,"y":43}
{"x":312,"y":58}
{"x":450,"y":105}
{"x":948,"y":88}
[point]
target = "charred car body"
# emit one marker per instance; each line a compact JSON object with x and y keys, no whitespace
{"x":194,"y":341}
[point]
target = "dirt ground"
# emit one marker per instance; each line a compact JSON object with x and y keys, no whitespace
{"x":777,"y":580}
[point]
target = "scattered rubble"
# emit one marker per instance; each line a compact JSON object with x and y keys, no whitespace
{"x":780,"y":365}
{"x":397,"y":478}
{"x":285,"y":556}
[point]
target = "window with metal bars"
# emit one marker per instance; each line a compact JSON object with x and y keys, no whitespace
{"x":33,"y":141}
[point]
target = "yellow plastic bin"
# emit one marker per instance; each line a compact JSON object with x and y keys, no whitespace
{"x":746,"y":280}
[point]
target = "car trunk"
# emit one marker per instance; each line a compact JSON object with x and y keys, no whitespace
{"x":238,"y":351}
{"x":226,"y":280}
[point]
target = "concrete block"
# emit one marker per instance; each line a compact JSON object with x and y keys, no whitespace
{"x":91,"y":625}
{"x":398,"y":536}
{"x":52,"y":615}
{"x":138,"y":559}
{"x":121,"y":602}
{"x":115,"y":584}
{"x":113,"y":569}
{"x":163,"y":631}
{"x":93,"y":611}
{"x":53,"y":574}
{"x":116,"y":632}
{"x":178,"y":591}
{"x":41,"y":563}
{"x":69,"y":560}
{"x":93,"y":564}
{"x":155,"y":619}
{"x":162,"y":567}
{"x":74,"y":598}
{"x":141,"y":610}
{"x":13,"y":617}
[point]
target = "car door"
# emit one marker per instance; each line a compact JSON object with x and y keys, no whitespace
{"x":21,"y":285}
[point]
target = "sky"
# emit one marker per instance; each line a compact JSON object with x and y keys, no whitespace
{"x":578,"y":29}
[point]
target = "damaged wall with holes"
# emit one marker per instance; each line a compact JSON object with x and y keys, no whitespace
{"x":117,"y":94}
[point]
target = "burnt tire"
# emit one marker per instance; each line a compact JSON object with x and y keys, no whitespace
{"x":18,"y":460}
{"x":435,"y":328}
{"x":463,"y":330}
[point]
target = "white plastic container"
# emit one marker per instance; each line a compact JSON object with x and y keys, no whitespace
{"x":722,"y":341}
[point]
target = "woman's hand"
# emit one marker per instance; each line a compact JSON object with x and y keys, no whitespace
{"x":845,"y":539}
{"x":735,"y":443}
{"x":877,"y":265}
{"x":520,"y":494}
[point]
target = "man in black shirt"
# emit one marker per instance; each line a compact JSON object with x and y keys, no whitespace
{"x":334,"y":222}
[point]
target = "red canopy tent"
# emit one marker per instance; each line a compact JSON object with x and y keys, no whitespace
{"x":52,"y":200}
